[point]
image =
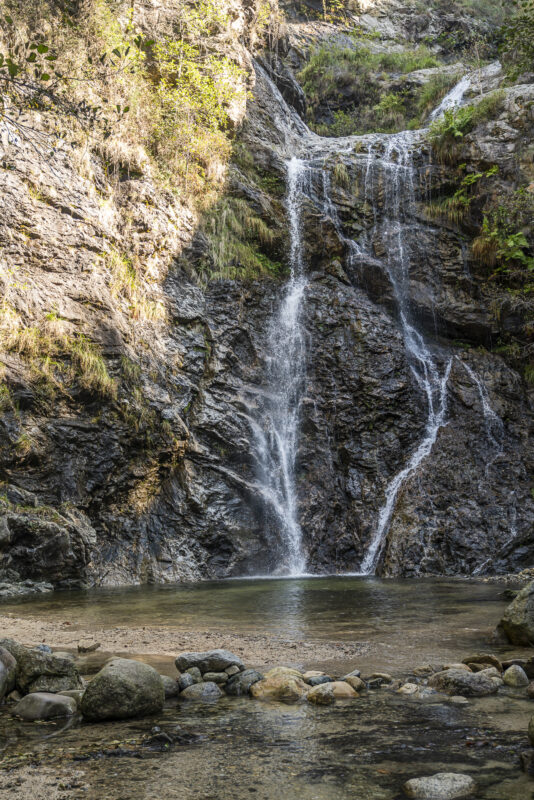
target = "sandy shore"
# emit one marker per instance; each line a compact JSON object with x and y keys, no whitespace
{"x":256,"y":650}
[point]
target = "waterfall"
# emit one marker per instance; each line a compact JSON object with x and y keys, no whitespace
{"x":388,"y":167}
{"x":276,"y":431}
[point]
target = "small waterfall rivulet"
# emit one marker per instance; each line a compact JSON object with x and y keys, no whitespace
{"x":386,"y":166}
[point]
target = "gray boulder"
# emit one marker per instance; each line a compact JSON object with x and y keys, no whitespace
{"x":170,"y":686}
{"x":515,"y":676}
{"x":185,"y":680}
{"x":442,"y":786}
{"x":43,"y":705}
{"x":204,"y":692}
{"x":8,"y":671}
{"x":215,"y":677}
{"x":318,"y":680}
{"x":468,"y":684}
{"x":210,"y":661}
{"x":123,"y":689}
{"x":41,"y":671}
{"x":239,"y":684}
{"x":517,"y":622}
{"x":75,"y":694}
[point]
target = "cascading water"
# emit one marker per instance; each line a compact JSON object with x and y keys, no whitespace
{"x":388,"y":168}
{"x":276,"y":432}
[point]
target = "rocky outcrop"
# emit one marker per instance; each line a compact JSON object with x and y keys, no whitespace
{"x":157,"y":481}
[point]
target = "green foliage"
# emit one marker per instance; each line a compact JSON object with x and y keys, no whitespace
{"x":518,"y":39}
{"x":239,"y":241}
{"x":455,"y":209}
{"x":345,"y":89}
{"x":447,"y":132}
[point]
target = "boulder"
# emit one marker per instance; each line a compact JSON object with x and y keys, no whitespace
{"x":357,"y":684}
{"x":530,"y":690}
{"x":233,"y":670}
{"x":515,"y":676}
{"x":479,"y":661}
{"x":457,"y":666}
{"x":240,"y":684}
{"x":320,"y":679}
{"x":321,"y":695}
{"x":469,"y":684}
{"x":312,"y":673}
{"x":8,"y":672}
{"x":210,"y":661}
{"x":44,"y":705}
{"x":41,"y":671}
{"x":342,"y":690}
{"x":215,"y":677}
{"x":517,"y":622}
{"x":123,"y":689}
{"x":531,"y":731}
{"x":195,"y":674}
{"x":75,"y":694}
{"x":442,"y":786}
{"x":185,"y":680}
{"x":171,"y":687}
{"x":206,"y":692}
{"x":280,"y":683}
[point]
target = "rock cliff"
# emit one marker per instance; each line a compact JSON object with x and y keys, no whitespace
{"x":148,"y":473}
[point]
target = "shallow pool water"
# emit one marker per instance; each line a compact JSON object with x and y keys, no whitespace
{"x":400,"y":623}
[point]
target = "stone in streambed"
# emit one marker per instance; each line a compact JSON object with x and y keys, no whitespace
{"x":8,"y":672}
{"x":515,"y":676}
{"x":342,"y":690}
{"x":530,"y":690}
{"x":312,"y":673}
{"x":531,"y":731}
{"x":517,"y":622}
{"x":280,"y":683}
{"x":215,"y":677}
{"x":195,"y":674}
{"x":44,"y":705}
{"x":456,"y":666}
{"x":75,"y":694}
{"x":233,"y":670}
{"x":210,"y":661}
{"x":123,"y":689}
{"x":442,"y":786}
{"x":241,"y":683}
{"x":185,"y":680}
{"x":171,"y":687}
{"x":319,"y":680}
{"x":480,"y":661}
{"x":41,"y":671}
{"x":206,"y":692}
{"x":321,"y":695}
{"x":470,"y":684}
{"x":357,"y":684}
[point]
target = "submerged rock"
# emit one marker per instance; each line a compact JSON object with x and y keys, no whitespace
{"x":280,"y":683}
{"x":321,"y":695}
{"x":442,"y":786}
{"x":515,"y":676}
{"x":210,"y":661}
{"x":241,"y":683}
{"x":44,"y":705}
{"x":205,"y":692}
{"x":480,"y":661}
{"x":41,"y":671}
{"x":470,"y":684}
{"x":342,"y":690}
{"x":8,"y":670}
{"x":122,"y":689}
{"x":517,"y":622}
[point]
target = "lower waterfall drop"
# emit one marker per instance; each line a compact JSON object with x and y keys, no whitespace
{"x":276,"y":432}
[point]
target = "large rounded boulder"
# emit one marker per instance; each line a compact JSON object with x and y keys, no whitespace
{"x":517,"y":622}
{"x":123,"y":689}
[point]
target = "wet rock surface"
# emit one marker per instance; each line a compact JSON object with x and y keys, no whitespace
{"x":122,"y":689}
